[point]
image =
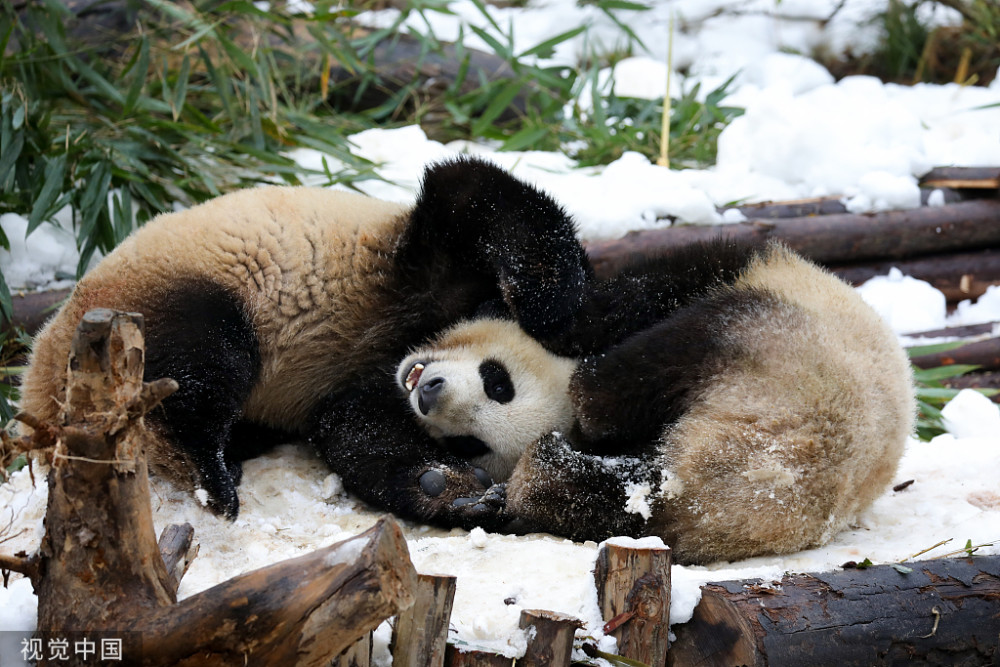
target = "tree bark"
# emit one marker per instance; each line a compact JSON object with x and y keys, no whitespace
{"x":359,"y":654}
{"x":633,"y":593}
{"x":943,"y":612}
{"x":550,"y":638}
{"x":456,"y":657}
{"x":421,"y":632}
{"x":829,"y":239}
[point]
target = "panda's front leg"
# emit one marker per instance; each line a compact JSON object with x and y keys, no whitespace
{"x":557,"y":489}
{"x":368,"y":436}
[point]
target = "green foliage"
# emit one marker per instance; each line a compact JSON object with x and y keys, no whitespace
{"x":932,"y":395}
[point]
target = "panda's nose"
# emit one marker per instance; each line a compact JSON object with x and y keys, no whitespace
{"x":429,"y":392}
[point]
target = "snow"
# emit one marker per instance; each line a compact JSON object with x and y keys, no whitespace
{"x":803,"y":134}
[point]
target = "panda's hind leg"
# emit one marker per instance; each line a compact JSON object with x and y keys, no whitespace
{"x":200,"y":335}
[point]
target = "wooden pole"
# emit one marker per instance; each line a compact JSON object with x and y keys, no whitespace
{"x":550,"y":638}
{"x":633,"y":593}
{"x":933,"y":612}
{"x":420,"y":635}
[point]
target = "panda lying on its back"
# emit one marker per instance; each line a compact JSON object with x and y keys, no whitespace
{"x":285,"y":310}
{"x":734,"y":401}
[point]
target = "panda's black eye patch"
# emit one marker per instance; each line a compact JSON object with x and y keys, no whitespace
{"x":496,"y":381}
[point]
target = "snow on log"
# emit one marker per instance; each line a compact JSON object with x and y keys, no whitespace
{"x":100,"y":569}
{"x":420,"y":635}
{"x":830,"y":239}
{"x":633,"y":593}
{"x":934,"y":612}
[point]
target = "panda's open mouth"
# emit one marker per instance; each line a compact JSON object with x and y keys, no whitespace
{"x":413,"y":377}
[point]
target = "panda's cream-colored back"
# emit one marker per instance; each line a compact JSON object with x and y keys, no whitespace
{"x":292,"y":255}
{"x":801,"y":429}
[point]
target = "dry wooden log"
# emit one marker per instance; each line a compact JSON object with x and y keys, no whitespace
{"x":420,"y":635}
{"x":303,"y":611}
{"x":983,"y":353}
{"x":100,"y":569}
{"x":358,"y":654}
{"x":943,"y":612}
{"x":99,"y":544}
{"x":178,"y":550}
{"x":550,"y":638}
{"x":457,"y":657}
{"x":967,"y":331}
{"x":963,"y":275}
{"x":633,"y":593}
{"x":962,"y":177}
{"x":830,"y":239}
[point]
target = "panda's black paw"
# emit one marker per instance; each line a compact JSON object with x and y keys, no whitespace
{"x":486,"y":510}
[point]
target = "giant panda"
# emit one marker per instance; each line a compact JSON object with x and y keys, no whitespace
{"x":284,"y":310}
{"x":735,"y":400}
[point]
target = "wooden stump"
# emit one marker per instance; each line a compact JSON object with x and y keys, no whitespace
{"x":420,"y":635}
{"x":633,"y":592}
{"x":943,"y":612}
{"x":550,"y":638}
{"x":99,"y":568}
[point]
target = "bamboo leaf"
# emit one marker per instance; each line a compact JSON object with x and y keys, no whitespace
{"x":942,"y":372}
{"x":139,"y":72}
{"x":545,"y":49}
{"x":52,"y":186}
{"x":497,"y":106}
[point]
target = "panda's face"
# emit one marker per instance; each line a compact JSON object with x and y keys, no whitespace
{"x":486,"y":390}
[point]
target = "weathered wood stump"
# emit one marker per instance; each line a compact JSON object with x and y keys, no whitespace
{"x":550,"y":638}
{"x":420,"y":635}
{"x":100,"y":569}
{"x":633,"y":592}
{"x":943,"y":612}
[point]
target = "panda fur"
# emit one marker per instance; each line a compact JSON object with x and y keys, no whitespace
{"x":756,"y":406}
{"x":284,"y":310}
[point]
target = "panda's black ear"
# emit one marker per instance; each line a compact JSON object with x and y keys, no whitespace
{"x":494,"y":309}
{"x":483,"y":220}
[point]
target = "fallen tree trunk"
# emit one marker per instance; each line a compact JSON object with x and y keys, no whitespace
{"x":943,"y":612}
{"x":983,"y":353}
{"x":830,"y":239}
{"x":963,"y":275}
{"x":100,"y":570}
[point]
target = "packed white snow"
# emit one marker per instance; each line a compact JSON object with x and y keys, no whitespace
{"x":802,"y":135}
